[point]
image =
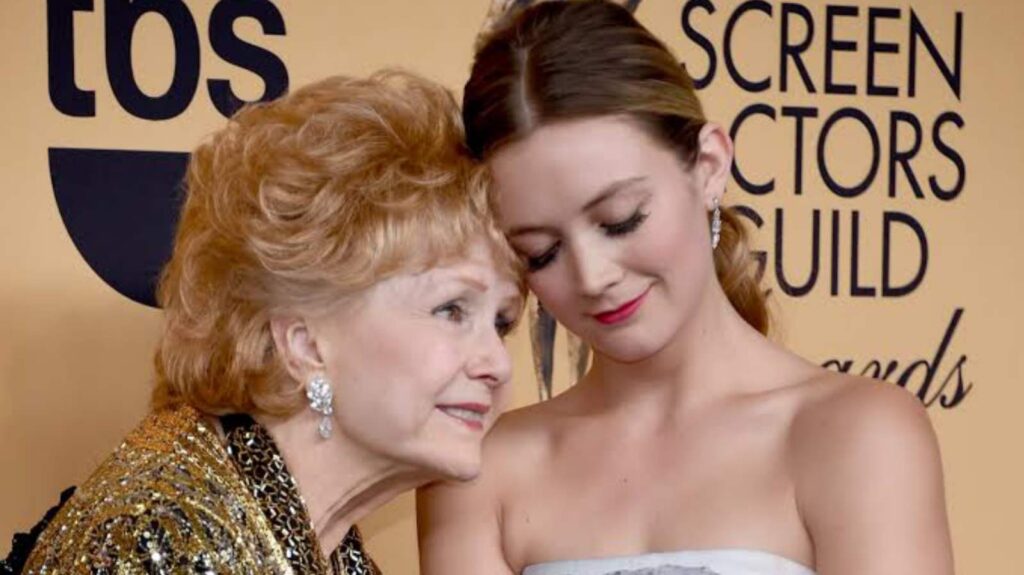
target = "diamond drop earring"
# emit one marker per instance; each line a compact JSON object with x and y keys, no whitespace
{"x":321,"y":398}
{"x":716,"y":224}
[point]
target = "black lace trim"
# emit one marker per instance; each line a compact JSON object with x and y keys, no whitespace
{"x":265,"y":473}
{"x":23,"y":543}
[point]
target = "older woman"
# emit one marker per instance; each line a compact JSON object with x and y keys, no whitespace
{"x":335,"y":307}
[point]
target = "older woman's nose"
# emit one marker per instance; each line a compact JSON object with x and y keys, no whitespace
{"x":490,"y":362}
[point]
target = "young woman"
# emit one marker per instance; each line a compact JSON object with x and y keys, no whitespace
{"x":694,"y":444}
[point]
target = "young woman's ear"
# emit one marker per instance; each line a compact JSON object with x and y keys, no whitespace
{"x":714,"y":162}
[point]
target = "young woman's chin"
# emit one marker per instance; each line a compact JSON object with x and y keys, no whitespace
{"x":629,"y":348}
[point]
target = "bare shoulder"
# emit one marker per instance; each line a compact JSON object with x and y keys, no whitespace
{"x":460,"y":523}
{"x":522,"y":438}
{"x":868,"y":479}
{"x":530,"y":430}
{"x":516,"y":444}
{"x":850,"y":416}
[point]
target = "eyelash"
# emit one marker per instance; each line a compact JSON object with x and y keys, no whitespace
{"x":627,"y":226}
{"x":453,"y":310}
{"x":617,"y":229}
{"x":537,"y":263}
{"x":457,"y":313}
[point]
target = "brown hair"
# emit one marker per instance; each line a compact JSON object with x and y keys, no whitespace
{"x":577,"y":59}
{"x":297,"y":204}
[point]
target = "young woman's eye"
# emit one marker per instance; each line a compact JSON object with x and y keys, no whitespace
{"x":626,"y":226}
{"x":452,"y":311}
{"x":536,"y":263}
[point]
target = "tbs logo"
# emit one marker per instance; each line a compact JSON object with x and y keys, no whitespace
{"x":120,"y":206}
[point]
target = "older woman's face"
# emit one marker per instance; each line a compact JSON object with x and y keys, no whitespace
{"x":418,"y":365}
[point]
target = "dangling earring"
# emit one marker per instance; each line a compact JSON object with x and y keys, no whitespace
{"x":716,"y":224}
{"x":321,"y":399}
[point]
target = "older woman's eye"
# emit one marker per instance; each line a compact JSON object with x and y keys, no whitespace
{"x":629,"y":225}
{"x":452,"y":311}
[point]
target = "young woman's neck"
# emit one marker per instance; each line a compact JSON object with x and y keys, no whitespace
{"x":340,"y":481}
{"x":702,"y":362}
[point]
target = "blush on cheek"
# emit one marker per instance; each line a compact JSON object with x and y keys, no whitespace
{"x":677,"y":243}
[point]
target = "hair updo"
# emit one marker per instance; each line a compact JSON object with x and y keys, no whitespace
{"x":579,"y":59}
{"x":297,"y":204}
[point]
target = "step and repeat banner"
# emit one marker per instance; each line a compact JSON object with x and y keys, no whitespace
{"x":878,"y":155}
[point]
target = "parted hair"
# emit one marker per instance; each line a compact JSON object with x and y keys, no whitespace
{"x":575,"y":59}
{"x":298,"y":204}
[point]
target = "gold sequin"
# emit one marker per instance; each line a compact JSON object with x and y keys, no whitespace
{"x":170,"y":500}
{"x":267,"y":477}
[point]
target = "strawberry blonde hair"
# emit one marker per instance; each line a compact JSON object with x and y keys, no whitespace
{"x":302,"y":202}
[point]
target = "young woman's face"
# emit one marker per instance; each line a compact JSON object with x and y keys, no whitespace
{"x":613,"y":227}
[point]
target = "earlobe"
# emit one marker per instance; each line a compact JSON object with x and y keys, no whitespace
{"x":714,"y":162}
{"x":296,"y":345}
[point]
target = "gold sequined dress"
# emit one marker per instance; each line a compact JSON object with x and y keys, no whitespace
{"x":173,"y":498}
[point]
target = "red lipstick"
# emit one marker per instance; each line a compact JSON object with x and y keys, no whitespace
{"x":623,"y":312}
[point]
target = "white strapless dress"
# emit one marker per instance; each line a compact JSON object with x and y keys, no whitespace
{"x":710,"y":562}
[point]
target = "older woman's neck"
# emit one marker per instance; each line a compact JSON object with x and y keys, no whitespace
{"x":340,"y":481}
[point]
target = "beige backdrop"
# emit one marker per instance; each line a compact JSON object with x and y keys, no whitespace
{"x":75,"y":355}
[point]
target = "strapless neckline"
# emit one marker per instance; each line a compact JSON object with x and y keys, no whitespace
{"x":725,"y":561}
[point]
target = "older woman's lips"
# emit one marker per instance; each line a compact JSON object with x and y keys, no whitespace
{"x":623,"y":312}
{"x":470,"y":414}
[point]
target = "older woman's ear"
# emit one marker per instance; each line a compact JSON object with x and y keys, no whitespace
{"x":296,"y":346}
